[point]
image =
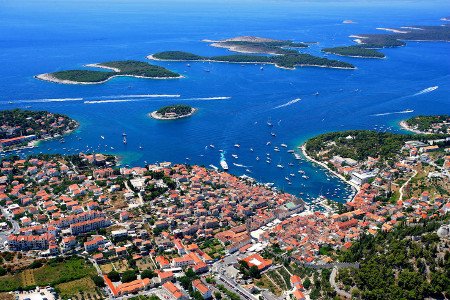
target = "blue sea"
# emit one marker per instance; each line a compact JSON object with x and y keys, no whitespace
{"x":46,"y":36}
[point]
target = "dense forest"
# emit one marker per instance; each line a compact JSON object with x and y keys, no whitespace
{"x":179,"y":109}
{"x":357,"y":144}
{"x":285,"y":61}
{"x":354,"y":51}
{"x":19,"y":122}
{"x":127,"y":68}
{"x":424,"y":123}
{"x":411,"y":262}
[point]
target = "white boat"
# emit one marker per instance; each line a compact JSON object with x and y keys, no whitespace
{"x":269,"y":122}
{"x":257,"y":158}
{"x":224,"y":165}
{"x":284,"y":145}
{"x":214,"y":167}
{"x":280,"y":166}
{"x":276,"y":149}
{"x":247,"y":170}
{"x":268,"y":161}
{"x":251,"y":149}
{"x":290,"y":164}
{"x":237,"y":145}
{"x":273,"y":134}
{"x":102,"y":137}
{"x":297,"y":156}
{"x":211,"y":146}
{"x":234,"y":156}
{"x":290,"y":151}
{"x":292,"y":175}
{"x":268,"y":143}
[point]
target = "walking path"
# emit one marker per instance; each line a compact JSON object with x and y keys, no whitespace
{"x":340,"y":292}
{"x":406,"y":183}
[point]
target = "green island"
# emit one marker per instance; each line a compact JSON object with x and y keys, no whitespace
{"x":407,"y":33}
{"x":354,"y":51}
{"x":287,"y":61}
{"x":21,"y":127}
{"x":250,"y":44}
{"x":427,"y":124}
{"x":406,"y":263}
{"x":130,"y":68}
{"x":173,"y":112}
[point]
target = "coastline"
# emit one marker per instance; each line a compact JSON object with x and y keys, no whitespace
{"x":156,"y":116}
{"x":49,"y":78}
{"x":151,"y":57}
{"x":35,"y":143}
{"x":355,"y":56}
{"x":406,"y":127}
{"x":354,"y":186}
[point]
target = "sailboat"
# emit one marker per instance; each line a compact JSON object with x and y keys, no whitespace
{"x":124,"y":138}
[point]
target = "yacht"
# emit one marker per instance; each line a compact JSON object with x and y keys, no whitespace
{"x":212,"y":146}
{"x":224,"y":165}
{"x":280,"y":166}
{"x":237,"y":145}
{"x":276,"y":149}
{"x":273,"y":134}
{"x":257,"y":158}
{"x":234,"y":156}
{"x":284,"y":145}
{"x":214,"y":167}
{"x":268,"y":143}
{"x":251,"y":149}
{"x":290,"y":151}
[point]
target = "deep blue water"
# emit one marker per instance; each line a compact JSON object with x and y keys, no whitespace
{"x":47,"y":36}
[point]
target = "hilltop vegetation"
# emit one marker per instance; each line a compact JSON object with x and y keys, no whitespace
{"x":289,"y":61}
{"x":411,"y":262}
{"x":120,"y":68}
{"x":354,"y":51}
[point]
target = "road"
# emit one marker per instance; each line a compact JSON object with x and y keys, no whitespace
{"x":340,"y":292}
{"x":404,"y":184}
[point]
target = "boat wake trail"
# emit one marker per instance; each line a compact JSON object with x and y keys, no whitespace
{"x":425,"y":91}
{"x":208,"y":98}
{"x":241,"y":165}
{"x":143,"y":96}
{"x":288,"y":103}
{"x":407,"y":111}
{"x":44,"y":100}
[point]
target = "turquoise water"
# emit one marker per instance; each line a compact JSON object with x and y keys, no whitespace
{"x":47,"y":36}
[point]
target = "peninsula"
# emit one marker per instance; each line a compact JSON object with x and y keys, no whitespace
{"x":173,"y":112}
{"x":22,"y":128}
{"x":285,"y":61}
{"x":439,"y":124}
{"x":252,"y":44}
{"x":129,"y":68}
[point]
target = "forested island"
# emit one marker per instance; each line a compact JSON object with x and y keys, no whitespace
{"x":428,"y":124}
{"x":130,"y":68}
{"x":397,"y":36}
{"x":287,"y":61}
{"x":354,"y":51}
{"x":20,"y":127}
{"x":173,"y":112}
{"x":251,"y":44}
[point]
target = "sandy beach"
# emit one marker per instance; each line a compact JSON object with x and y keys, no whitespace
{"x":155,"y":115}
{"x":406,"y":127}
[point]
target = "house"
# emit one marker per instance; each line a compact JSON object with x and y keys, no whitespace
{"x":200,"y":287}
{"x":174,"y":291}
{"x":258,"y":261}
